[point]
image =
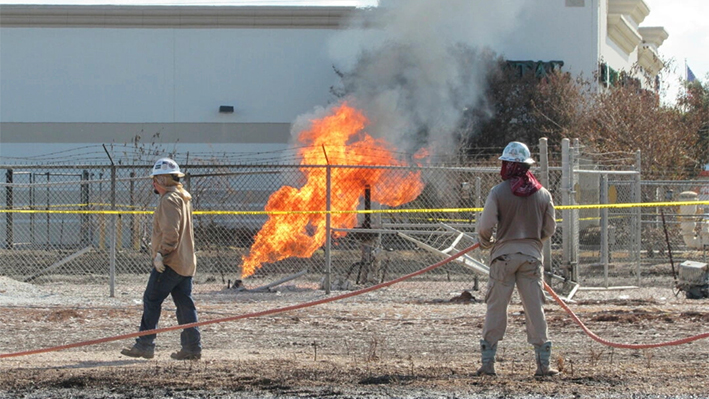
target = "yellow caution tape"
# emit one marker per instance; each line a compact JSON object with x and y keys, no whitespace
{"x":632,"y":205}
{"x":370,"y":211}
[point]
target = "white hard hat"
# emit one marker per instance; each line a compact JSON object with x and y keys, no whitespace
{"x":166,"y":166}
{"x":517,"y":152}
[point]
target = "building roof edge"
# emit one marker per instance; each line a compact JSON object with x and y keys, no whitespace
{"x":174,"y":16}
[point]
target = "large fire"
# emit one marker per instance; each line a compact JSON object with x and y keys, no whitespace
{"x":338,"y":138}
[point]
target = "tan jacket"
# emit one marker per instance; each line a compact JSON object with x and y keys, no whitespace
{"x":522,"y":222}
{"x":173,"y":236}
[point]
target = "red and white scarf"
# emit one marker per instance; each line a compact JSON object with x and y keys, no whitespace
{"x":522,"y":181}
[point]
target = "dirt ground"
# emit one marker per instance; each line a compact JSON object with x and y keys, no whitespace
{"x":405,"y":341}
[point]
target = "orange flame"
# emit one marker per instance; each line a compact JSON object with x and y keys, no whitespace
{"x":338,"y":137}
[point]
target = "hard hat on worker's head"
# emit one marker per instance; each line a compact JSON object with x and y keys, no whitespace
{"x":166,"y":166}
{"x":517,"y":152}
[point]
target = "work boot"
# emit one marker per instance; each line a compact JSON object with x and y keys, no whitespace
{"x":185,"y":355}
{"x":542,"y":353}
{"x":487,"y":352}
{"x":137,"y":351}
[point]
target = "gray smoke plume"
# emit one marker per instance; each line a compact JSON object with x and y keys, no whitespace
{"x":415,"y":66}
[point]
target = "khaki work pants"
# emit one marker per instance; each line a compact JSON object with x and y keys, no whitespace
{"x":505,"y":272}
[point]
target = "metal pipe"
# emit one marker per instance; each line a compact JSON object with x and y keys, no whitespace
{"x":367,"y":223}
{"x":604,"y":228}
{"x":48,"y":204}
{"x":114,"y":219}
{"x":9,"y":239}
{"x":638,"y":216}
{"x":328,"y":233}
{"x":32,"y":206}
{"x":85,"y":219}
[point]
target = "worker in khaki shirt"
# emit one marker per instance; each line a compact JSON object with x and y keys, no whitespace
{"x":174,"y":265}
{"x":523,"y":213}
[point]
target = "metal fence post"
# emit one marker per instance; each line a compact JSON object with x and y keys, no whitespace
{"x":112,"y":260}
{"x":85,"y":200}
{"x":9,"y":239}
{"x":574,"y":165}
{"x":604,"y":227}
{"x":544,"y":176}
{"x":478,"y":194}
{"x":32,"y":207}
{"x":479,"y":200}
{"x":565,"y":200}
{"x":49,"y":243}
{"x":135,"y":231}
{"x":102,"y":216}
{"x":328,"y":233}
{"x":638,"y":215}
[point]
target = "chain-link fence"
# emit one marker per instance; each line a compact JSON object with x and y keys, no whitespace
{"x":673,"y":234}
{"x":64,"y":220}
{"x":330,"y":226}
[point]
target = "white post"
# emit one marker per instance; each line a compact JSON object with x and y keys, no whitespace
{"x":565,"y":200}
{"x":638,"y":216}
{"x":604,"y":227}
{"x":574,"y":164}
{"x":544,"y":176}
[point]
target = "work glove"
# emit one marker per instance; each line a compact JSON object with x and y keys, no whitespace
{"x":486,"y":244}
{"x":157,"y":262}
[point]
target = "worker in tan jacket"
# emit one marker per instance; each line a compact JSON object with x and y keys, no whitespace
{"x":174,"y":264}
{"x":522,"y":211}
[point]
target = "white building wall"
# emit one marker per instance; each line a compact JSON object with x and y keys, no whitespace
{"x":615,"y":57}
{"x":93,"y":75}
{"x":69,"y":77}
{"x":610,"y":52}
{"x":162,"y":75}
{"x":86,"y":75}
{"x":559,"y":30}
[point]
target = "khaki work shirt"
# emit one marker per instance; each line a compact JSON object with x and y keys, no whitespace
{"x":173,"y":236}
{"x":523,"y":223}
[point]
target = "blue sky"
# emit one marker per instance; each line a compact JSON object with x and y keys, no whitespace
{"x":686,"y":22}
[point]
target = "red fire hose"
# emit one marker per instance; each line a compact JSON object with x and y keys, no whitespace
{"x":613,"y":344}
{"x":343,"y":296}
{"x":243,"y":316}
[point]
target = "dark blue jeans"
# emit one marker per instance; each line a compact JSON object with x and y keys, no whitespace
{"x":160,"y":285}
